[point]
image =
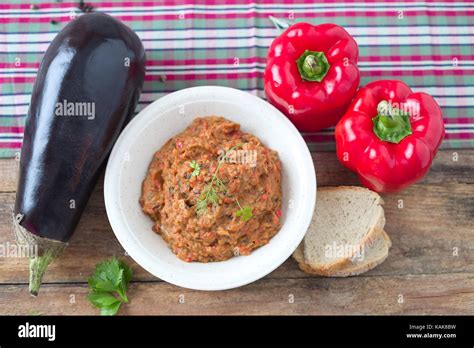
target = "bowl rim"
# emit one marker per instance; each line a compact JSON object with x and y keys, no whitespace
{"x":118,"y":226}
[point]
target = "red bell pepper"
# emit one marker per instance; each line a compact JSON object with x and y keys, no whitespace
{"x":312,"y":75}
{"x":389,"y":135}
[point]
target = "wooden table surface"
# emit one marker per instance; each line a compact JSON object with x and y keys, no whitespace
{"x":430,"y":268}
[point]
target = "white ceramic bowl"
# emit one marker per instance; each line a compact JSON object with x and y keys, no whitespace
{"x":170,"y":115}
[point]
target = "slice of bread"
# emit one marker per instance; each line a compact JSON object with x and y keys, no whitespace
{"x":346,"y":221}
{"x":372,"y":256}
{"x":345,"y":217}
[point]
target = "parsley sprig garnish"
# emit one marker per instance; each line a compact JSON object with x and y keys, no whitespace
{"x":108,"y":285}
{"x":210,"y":193}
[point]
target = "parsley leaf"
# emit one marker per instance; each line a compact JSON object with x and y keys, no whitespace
{"x":108,"y":285}
{"x":245,"y":213}
{"x":196,"y":168}
{"x":100,"y":299}
{"x":111,"y":310}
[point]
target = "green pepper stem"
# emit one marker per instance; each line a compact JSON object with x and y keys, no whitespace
{"x":391,"y":124}
{"x":313,"y":66}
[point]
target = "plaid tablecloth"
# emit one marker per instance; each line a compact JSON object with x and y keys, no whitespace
{"x":427,"y":44}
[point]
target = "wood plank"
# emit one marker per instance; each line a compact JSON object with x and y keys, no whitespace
{"x":433,"y":221}
{"x":422,"y":294}
{"x":448,"y":166}
{"x":8,"y":174}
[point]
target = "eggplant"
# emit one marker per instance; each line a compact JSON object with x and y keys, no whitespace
{"x":87,"y":88}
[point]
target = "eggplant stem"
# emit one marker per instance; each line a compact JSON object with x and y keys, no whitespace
{"x":38,"y":266}
{"x":42,"y":252}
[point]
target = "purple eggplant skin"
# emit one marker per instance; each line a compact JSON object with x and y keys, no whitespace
{"x":87,"y":88}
